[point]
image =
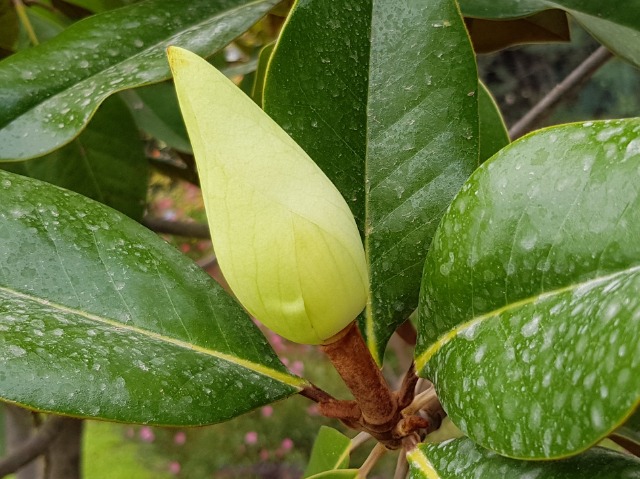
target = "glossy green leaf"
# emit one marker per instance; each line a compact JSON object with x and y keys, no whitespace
{"x":106,"y":162}
{"x":543,"y":27}
{"x":156,"y":111}
{"x":261,"y":72}
{"x":330,"y":451}
{"x":530,"y":288}
{"x":463,"y":459}
{"x":49,"y":92}
{"x":493,"y":131}
{"x":398,"y":142}
{"x":616,"y":26}
{"x":101,"y":318}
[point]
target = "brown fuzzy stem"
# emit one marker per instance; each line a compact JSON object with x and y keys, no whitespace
{"x":351,"y":358}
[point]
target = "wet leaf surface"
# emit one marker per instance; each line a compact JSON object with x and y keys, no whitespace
{"x":463,"y":459}
{"x":50,"y":92}
{"x":101,"y":318}
{"x":530,"y":289}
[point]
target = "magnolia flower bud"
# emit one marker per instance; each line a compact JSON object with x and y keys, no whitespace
{"x":284,"y":237}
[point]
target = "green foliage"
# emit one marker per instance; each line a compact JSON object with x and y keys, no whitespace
{"x":330,"y":451}
{"x":522,"y":259}
{"x":462,"y":458}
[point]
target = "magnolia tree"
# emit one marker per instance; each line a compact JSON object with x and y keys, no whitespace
{"x":368,"y":177}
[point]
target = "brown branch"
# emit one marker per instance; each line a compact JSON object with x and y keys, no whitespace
{"x":351,"y":358}
{"x":408,"y":388}
{"x":34,"y":447}
{"x":407,"y":332}
{"x":575,"y":79}
{"x":177,"y":228}
{"x":376,"y":453}
{"x":316,"y":394}
{"x":632,"y":447}
{"x":402,"y":466}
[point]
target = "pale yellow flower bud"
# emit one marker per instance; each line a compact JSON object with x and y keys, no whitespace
{"x":284,"y":237}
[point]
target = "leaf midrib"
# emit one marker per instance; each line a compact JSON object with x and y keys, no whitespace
{"x":293,"y":381}
{"x":424,"y":358}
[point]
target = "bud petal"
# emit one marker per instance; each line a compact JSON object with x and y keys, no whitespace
{"x":285,"y":238}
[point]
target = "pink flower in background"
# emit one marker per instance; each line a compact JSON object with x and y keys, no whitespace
{"x":266,"y":411}
{"x":285,"y":361}
{"x":164,"y":203}
{"x":185,"y":247}
{"x":313,"y":410}
{"x":297,"y":368}
{"x":174,"y":467}
{"x":251,"y":437}
{"x":146,"y":434}
{"x":287,"y":444}
{"x":277,"y":343}
{"x":180,"y":438}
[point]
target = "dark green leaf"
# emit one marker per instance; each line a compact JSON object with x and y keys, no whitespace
{"x":106,"y":162}
{"x":530,"y":288}
{"x":101,"y":318}
{"x":615,"y":26}
{"x":493,"y":132}
{"x":330,"y":451}
{"x":49,"y":92}
{"x":156,"y":111}
{"x":261,"y":72}
{"x":398,"y":142}
{"x":463,"y":459}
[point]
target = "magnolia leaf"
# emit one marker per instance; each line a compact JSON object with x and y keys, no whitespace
{"x":106,"y":162}
{"x":285,"y":239}
{"x":493,"y":131}
{"x":530,"y":288}
{"x":330,"y":451}
{"x":99,"y":317}
{"x":463,"y":459}
{"x":615,"y":27}
{"x":398,"y":142}
{"x":156,"y":111}
{"x":544,"y":27}
{"x":50,"y":92}
{"x":261,"y":72}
